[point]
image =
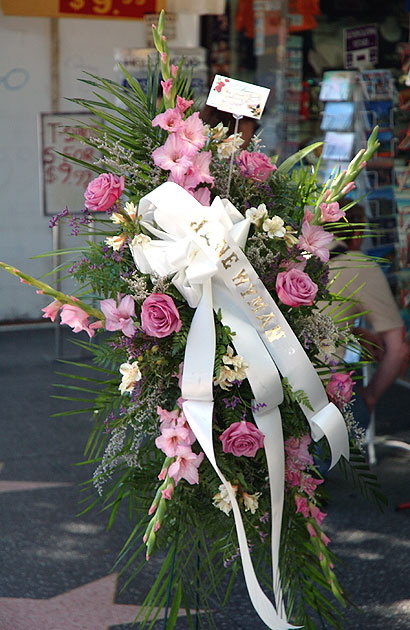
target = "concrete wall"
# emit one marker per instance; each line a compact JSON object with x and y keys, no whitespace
{"x":26,"y":89}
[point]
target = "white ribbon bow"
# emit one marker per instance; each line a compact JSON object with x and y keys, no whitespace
{"x":201,"y":247}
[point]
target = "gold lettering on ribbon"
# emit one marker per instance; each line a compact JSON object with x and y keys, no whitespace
{"x":232,"y":258}
{"x":249,"y":290}
{"x":275,"y":333}
{"x":222,"y":248}
{"x":241,"y":278}
{"x":197,"y":226}
{"x":266,"y":319}
{"x":256,"y":304}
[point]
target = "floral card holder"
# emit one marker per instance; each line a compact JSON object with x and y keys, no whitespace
{"x":237,"y":97}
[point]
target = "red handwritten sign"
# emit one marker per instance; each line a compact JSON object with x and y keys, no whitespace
{"x":110,"y":8}
{"x":64,"y":181}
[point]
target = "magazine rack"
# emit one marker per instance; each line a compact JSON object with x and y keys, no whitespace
{"x":342,"y":123}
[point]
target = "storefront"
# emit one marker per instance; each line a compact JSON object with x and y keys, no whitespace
{"x":335,"y":70}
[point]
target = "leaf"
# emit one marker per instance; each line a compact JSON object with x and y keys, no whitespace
{"x":291,"y":161}
{"x":176,"y":604}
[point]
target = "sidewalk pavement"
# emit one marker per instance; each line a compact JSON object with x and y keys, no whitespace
{"x":57,"y":566}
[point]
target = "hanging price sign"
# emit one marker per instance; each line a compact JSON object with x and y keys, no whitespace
{"x":123,"y":9}
{"x":109,"y":8}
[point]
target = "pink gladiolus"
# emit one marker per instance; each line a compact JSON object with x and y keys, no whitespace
{"x":316,"y":240}
{"x":103,"y":191}
{"x":186,"y":467}
{"x":203,"y":195}
{"x":173,"y":441}
{"x":331,"y":211}
{"x":308,"y":215}
{"x":179,"y":377}
{"x":163,"y":57}
{"x":309,"y":484}
{"x":183,"y":104}
{"x":76,"y":318}
{"x":295,"y":288}
{"x":255,"y":165}
{"x":311,"y":530}
{"x":51,"y":311}
{"x":242,"y":438}
{"x":317,"y":514}
{"x":348,"y":188}
{"x":198,"y":173}
{"x":326,"y":541}
{"x":118,"y":317}
{"x":160,"y":316}
{"x":168,"y":492}
{"x":167,"y":85}
{"x":297,"y":452}
{"x":163,"y":473}
{"x":293,"y":477}
{"x":175,"y":156}
{"x":302,"y":505}
{"x":170,"y":120}
{"x":192,"y":131}
{"x":292,"y":264}
{"x":168,"y":418}
{"x":174,"y":70}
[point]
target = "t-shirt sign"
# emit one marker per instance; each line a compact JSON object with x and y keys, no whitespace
{"x":237,"y":97}
{"x":62,"y":180}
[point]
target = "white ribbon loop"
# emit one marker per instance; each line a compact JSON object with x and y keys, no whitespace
{"x":201,"y":247}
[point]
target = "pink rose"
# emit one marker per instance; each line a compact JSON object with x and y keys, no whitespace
{"x":254,"y":165}
{"x":159,"y":315}
{"x":295,"y":288}
{"x":340,"y":388}
{"x":331,"y":211}
{"x":242,"y":438}
{"x":103,"y":191}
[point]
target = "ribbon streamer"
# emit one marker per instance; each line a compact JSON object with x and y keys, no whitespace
{"x":201,"y":248}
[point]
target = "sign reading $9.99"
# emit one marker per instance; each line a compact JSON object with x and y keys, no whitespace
{"x":110,"y":8}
